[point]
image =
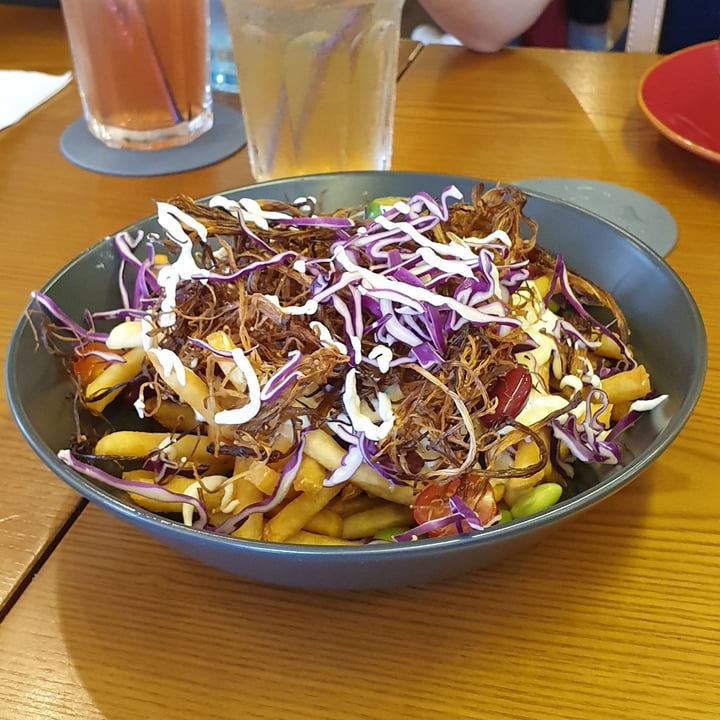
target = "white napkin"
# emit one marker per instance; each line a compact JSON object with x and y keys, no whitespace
{"x":22,"y":91}
{"x":430,"y":35}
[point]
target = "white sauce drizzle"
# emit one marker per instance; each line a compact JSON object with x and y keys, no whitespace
{"x":126,"y":335}
{"x":148,"y":341}
{"x":305,"y":204}
{"x":571,"y":381}
{"x":383,"y":355}
{"x":309,"y":308}
{"x":650,"y":404}
{"x":326,"y":338}
{"x":193,"y":490}
{"x":249,"y":209}
{"x":170,"y":363}
{"x":184,"y":267}
{"x":361,"y":422}
{"x":539,"y":406}
{"x":139,"y":404}
{"x":238,"y":416}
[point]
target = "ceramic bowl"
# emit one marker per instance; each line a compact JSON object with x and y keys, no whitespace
{"x":667,"y":334}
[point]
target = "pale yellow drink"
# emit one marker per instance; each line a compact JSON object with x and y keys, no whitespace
{"x":317,"y":83}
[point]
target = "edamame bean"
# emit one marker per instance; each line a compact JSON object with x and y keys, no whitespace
{"x":505,"y":516}
{"x":536,"y":499}
{"x":388,"y":533}
{"x":379,"y":205}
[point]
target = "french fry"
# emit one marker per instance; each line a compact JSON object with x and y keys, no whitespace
{"x":310,"y":475}
{"x":190,"y":388}
{"x":303,"y":537}
{"x":526,"y":454}
{"x":321,"y":447}
{"x":627,"y":386}
{"x":619,"y":411}
{"x":129,"y":443}
{"x":258,"y":473}
{"x":345,"y":506}
{"x":251,"y":528}
{"x":605,"y":417}
{"x":247,"y":494}
{"x":498,"y":488}
{"x":184,"y":449}
{"x":609,"y":349}
{"x":325,"y":522}
{"x":176,"y":483}
{"x":542,"y":284}
{"x":114,"y":374}
{"x":174,"y":416}
{"x":222,"y":341}
{"x":293,"y":516}
{"x":367,"y":523}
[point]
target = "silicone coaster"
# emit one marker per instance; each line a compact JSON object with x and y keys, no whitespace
{"x":225,"y":138}
{"x":634,"y":212}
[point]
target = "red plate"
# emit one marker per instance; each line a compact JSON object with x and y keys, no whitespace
{"x":680,"y":96}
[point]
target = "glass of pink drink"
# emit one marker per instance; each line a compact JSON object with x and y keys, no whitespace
{"x":142,"y":68}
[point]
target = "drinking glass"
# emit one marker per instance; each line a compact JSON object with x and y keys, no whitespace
{"x":317,"y":83}
{"x":142,"y":68}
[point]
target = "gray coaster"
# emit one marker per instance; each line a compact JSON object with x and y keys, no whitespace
{"x":634,"y":212}
{"x":225,"y":138}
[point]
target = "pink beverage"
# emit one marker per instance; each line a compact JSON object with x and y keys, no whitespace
{"x":142,"y":67}
{"x":317,"y":83}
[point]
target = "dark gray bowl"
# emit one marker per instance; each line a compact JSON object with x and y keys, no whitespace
{"x":668,"y":336}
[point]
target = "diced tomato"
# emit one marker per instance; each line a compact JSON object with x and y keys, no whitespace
{"x":88,"y":367}
{"x":479,"y":495}
{"x":432,"y":503}
{"x":511,"y":391}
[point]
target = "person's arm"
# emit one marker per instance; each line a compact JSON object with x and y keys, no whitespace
{"x":484,"y":25}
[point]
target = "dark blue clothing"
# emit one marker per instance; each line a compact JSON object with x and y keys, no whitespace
{"x":688,"y":22}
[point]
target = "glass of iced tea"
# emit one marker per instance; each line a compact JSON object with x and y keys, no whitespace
{"x":142,"y":68}
{"x":317,"y":83}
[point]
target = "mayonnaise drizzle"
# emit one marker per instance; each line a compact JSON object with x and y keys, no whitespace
{"x":238,"y":416}
{"x":649,"y":404}
{"x":170,"y":363}
{"x":250,"y":210}
{"x":326,"y":338}
{"x":184,"y":267}
{"x":456,"y":249}
{"x":309,"y":308}
{"x":362,"y":422}
{"x":383,"y":355}
{"x":126,"y":335}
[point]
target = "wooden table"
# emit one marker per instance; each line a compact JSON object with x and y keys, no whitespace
{"x":615,"y":615}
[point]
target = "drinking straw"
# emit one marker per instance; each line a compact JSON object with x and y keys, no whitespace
{"x":134,"y":7}
{"x":344,"y":34}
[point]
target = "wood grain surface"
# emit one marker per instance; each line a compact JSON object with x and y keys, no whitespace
{"x":615,"y":615}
